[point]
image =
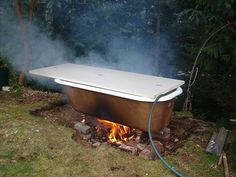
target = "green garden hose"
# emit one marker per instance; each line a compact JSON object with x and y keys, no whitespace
{"x":152,"y":143}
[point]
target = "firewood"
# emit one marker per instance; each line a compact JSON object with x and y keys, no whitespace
{"x":225,"y":164}
{"x":220,"y":159}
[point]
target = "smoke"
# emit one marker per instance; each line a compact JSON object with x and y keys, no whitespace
{"x":42,"y":50}
{"x":108,"y":44}
{"x":131,"y":57}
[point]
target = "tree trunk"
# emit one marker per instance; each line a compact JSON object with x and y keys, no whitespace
{"x":32,"y":7}
{"x":18,"y":7}
{"x":158,"y":32}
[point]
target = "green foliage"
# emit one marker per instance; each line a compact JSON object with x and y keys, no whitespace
{"x":204,"y":17}
{"x":3,"y":61}
{"x":13,"y":79}
{"x":87,"y":26}
{"x":213,"y":93}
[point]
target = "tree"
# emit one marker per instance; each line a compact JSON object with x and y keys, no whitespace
{"x":210,"y":25}
{"x":19,"y":11}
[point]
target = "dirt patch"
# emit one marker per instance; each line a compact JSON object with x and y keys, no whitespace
{"x":1,"y":136}
{"x":29,"y":96}
{"x":186,"y":157}
{"x":181,"y":128}
{"x":59,"y":112}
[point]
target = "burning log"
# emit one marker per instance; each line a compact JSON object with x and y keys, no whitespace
{"x":116,"y":133}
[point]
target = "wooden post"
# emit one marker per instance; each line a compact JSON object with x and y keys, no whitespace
{"x":225,"y":164}
{"x":220,"y":159}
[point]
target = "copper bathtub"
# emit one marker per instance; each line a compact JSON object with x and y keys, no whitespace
{"x":120,"y":110}
{"x":118,"y":96}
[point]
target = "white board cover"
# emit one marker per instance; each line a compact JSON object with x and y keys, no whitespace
{"x":135,"y":84}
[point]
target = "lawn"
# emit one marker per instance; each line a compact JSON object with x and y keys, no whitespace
{"x":33,"y":146}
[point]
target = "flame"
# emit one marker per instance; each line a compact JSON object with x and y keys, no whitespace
{"x":118,"y":133}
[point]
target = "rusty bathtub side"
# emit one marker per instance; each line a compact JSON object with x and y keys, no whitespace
{"x":120,"y":110}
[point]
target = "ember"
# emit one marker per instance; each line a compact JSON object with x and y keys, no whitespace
{"x":117,"y":133}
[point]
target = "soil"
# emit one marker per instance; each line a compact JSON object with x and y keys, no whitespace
{"x":29,"y":96}
{"x":59,"y":112}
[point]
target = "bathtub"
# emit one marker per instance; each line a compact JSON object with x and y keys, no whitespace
{"x":118,"y":96}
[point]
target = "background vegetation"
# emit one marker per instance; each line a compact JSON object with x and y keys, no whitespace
{"x":89,"y":25}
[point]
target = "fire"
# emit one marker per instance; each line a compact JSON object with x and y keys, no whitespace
{"x":118,"y":133}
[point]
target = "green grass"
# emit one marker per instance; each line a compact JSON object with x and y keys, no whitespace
{"x":32,"y":146}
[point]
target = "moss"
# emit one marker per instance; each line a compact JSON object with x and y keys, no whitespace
{"x":18,"y":169}
{"x":192,"y":159}
{"x":8,"y":154}
{"x":183,"y":114}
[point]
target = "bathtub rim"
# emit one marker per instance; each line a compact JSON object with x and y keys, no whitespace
{"x":167,"y":97}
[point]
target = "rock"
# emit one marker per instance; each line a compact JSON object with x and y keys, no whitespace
{"x":138,"y":139}
{"x":139,"y":134}
{"x":163,"y":134}
{"x":85,"y":129}
{"x":170,"y":146}
{"x":93,"y":141}
{"x":6,"y":88}
{"x":13,"y":161}
{"x":131,"y":149}
{"x":141,"y":146}
{"x":131,"y":143}
{"x":96,"y":144}
{"x":147,"y":154}
{"x":158,"y":145}
{"x":85,"y":137}
{"x":176,"y":140}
